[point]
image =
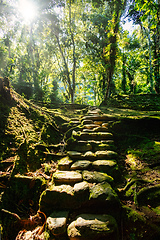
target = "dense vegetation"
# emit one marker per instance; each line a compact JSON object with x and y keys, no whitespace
{"x":77,"y":51}
{"x":60,"y":59}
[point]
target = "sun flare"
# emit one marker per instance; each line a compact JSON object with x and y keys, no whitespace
{"x":27,"y":9}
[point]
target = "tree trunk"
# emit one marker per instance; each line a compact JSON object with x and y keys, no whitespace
{"x":124,"y":73}
{"x":74,"y":55}
{"x":110,"y":62}
{"x":157,"y":51}
{"x":66,"y":68}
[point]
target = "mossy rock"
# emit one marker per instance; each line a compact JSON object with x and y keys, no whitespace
{"x":107,"y":166}
{"x":57,"y":222}
{"x":57,"y":198}
{"x":103,"y":147}
{"x":75,"y":155}
{"x":149,"y":196}
{"x":67,"y":177}
{"x":100,"y":129}
{"x":89,"y":156}
{"x":106,"y":154}
{"x":81,"y":165}
{"x":81,"y":193}
{"x":96,"y":177}
{"x":80,"y":146}
{"x":64,"y":164}
{"x":103,"y":192}
{"x":137,"y":227}
{"x":92,"y":226}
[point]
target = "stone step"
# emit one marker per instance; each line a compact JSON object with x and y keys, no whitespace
{"x":92,"y":135}
{"x":106,"y":155}
{"x":81,"y":165}
{"x":98,"y":117}
{"x":56,"y":223}
{"x":80,"y":146}
{"x":64,"y":164}
{"x":106,"y":166}
{"x":66,"y":177}
{"x":93,"y":226}
{"x":84,"y":122}
{"x":96,"y":177}
{"x":84,"y":180}
{"x":89,"y":155}
{"x":100,"y":196}
{"x":96,"y":129}
{"x":90,"y":126}
{"x":98,"y":122}
{"x":72,"y":177}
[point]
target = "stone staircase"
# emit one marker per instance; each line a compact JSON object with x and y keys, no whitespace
{"x":81,"y":202}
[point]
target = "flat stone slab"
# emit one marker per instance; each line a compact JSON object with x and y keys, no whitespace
{"x":57,"y":198}
{"x":81,"y":165}
{"x":94,"y":136}
{"x":105,"y":136}
{"x":105,"y":125}
{"x":100,"y":129}
{"x":82,"y":186}
{"x":57,"y":222}
{"x":98,"y":118}
{"x":93,"y":226}
{"x":74,"y":122}
{"x":74,"y":154}
{"x":106,"y":154}
{"x":89,"y":156}
{"x":81,"y":146}
{"x":88,"y":130}
{"x":64,"y":197}
{"x":111,"y":142}
{"x":105,"y":166}
{"x":81,"y":193}
{"x":90,"y":126}
{"x":103,"y":147}
{"x":98,"y":122}
{"x":64,"y":164}
{"x":84,"y":122}
{"x":96,"y":177}
{"x":67,"y":177}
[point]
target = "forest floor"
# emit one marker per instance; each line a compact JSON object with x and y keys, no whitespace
{"x":34,"y":133}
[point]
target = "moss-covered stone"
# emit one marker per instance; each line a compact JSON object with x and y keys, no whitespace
{"x":103,"y":147}
{"x":89,"y":155}
{"x":149,"y":196}
{"x":64,"y":164}
{"x":106,"y":155}
{"x":90,"y":126}
{"x":81,"y":193}
{"x":84,"y":122}
{"x":100,"y":129}
{"x":57,"y":198}
{"x":81,"y":165}
{"x":90,"y":226}
{"x":67,"y":177}
{"x":96,"y":177}
{"x":81,"y":146}
{"x":105,"y":165}
{"x":57,"y":222}
{"x":74,"y":154}
{"x":102,"y":196}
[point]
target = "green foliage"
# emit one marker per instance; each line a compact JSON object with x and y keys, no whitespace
{"x":81,"y":51}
